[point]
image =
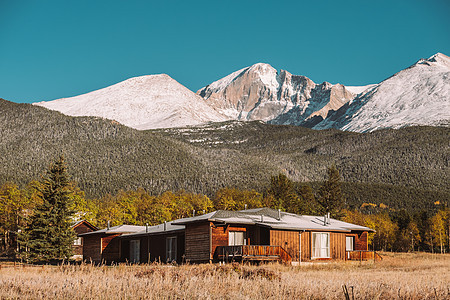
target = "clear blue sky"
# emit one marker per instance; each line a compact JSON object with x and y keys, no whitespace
{"x":55,"y":49}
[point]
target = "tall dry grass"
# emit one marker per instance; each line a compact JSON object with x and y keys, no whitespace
{"x":401,"y":276}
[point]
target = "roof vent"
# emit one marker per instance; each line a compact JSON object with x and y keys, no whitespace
{"x":262,"y":218}
{"x":245,"y":206}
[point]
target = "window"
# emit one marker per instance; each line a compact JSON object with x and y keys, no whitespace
{"x":135,"y":247}
{"x":235,"y":238}
{"x":171,"y":248}
{"x":320,"y":245}
{"x":77,"y":242}
{"x":349,"y":243}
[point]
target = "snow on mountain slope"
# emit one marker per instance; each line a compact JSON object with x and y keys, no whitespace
{"x":259,"y":92}
{"x":418,"y":95}
{"x":146,"y":102}
{"x":359,"y":89}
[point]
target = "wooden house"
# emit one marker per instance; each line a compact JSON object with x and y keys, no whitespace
{"x":80,"y":227}
{"x":267,"y":234}
{"x":103,"y":246}
{"x":261,"y":234}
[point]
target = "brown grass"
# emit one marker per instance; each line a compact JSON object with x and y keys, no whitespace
{"x":401,"y":276}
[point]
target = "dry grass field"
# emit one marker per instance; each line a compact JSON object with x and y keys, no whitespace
{"x":398,"y":276}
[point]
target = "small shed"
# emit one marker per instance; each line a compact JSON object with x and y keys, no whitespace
{"x":80,"y":227}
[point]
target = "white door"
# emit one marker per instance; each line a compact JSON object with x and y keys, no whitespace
{"x":349,"y":245}
{"x":171,"y":249}
{"x":135,"y":247}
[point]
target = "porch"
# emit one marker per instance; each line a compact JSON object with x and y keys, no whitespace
{"x":252,"y":253}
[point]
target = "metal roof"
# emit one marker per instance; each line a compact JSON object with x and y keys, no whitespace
{"x":161,"y":228}
{"x":274,"y":219}
{"x":117,"y":229}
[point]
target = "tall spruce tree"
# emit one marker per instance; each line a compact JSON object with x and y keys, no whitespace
{"x":330,"y":196}
{"x":49,"y":235}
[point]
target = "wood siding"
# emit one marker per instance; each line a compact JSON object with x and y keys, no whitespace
{"x":198,"y":242}
{"x":288,"y":240}
{"x":81,"y":227}
{"x":306,"y":246}
{"x":111,"y":248}
{"x":361,"y":241}
{"x":337,"y":245}
{"x":91,"y":248}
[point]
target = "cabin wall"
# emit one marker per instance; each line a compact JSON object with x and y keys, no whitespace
{"x":361,"y":242}
{"x":82,"y":228}
{"x":198,"y":242}
{"x":79,"y":229}
{"x":289,"y":240}
{"x":110,"y":248}
{"x":337,"y":245}
{"x":92,"y":248}
{"x":306,"y":246}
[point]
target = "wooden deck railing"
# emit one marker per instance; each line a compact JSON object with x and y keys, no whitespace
{"x":253,"y":252}
{"x":362,"y":255}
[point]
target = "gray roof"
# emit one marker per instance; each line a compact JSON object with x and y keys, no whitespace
{"x":271,"y":218}
{"x":157,"y":229}
{"x":117,"y":229}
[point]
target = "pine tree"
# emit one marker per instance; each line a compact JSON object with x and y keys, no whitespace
{"x":281,"y":194}
{"x":49,"y":235}
{"x":330,"y":196}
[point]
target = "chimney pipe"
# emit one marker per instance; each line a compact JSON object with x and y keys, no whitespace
{"x":328,"y":218}
{"x":245,"y":206}
{"x":193,"y":212}
{"x":279,"y":214}
{"x":107,"y":228}
{"x":165,"y":225}
{"x":262,"y":218}
{"x":146,"y":227}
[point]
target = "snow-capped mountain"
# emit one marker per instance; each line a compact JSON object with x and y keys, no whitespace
{"x":259,"y":92}
{"x":418,"y":95}
{"x":146,"y":102}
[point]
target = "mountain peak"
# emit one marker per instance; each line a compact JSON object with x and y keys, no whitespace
{"x":441,"y":59}
{"x":143,"y":102}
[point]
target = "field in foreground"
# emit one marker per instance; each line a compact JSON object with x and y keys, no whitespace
{"x":401,"y":276}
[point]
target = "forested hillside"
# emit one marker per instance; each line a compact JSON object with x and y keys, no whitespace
{"x":105,"y":157}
